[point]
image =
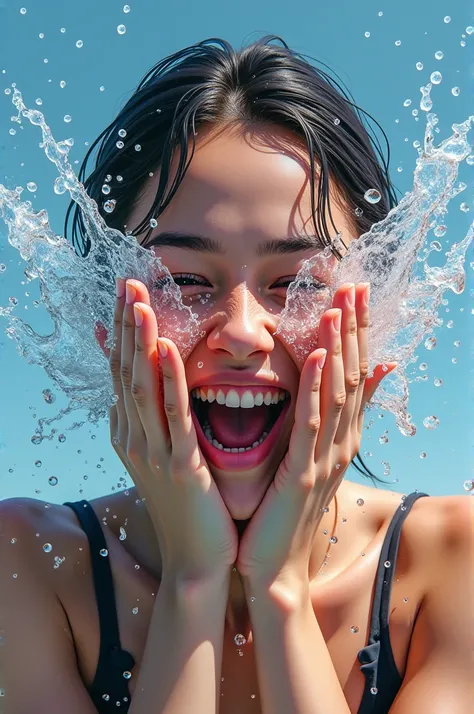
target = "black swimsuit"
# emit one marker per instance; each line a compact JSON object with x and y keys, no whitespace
{"x":109,"y":690}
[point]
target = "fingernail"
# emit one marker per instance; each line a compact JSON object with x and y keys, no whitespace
{"x":138,"y":315}
{"x":351,"y":296}
{"x":119,"y":287}
{"x":367,"y":295}
{"x":336,"y":320}
{"x":322,"y":360}
{"x":163,"y":348}
{"x":131,"y":293}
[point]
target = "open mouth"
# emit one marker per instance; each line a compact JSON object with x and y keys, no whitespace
{"x":237,"y":427}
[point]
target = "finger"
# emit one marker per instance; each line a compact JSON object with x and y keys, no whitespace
{"x":363,"y":320}
{"x":145,"y":383}
{"x":115,"y":362}
{"x":345,"y":299}
{"x":307,"y":415}
{"x":184,"y":444}
{"x":371,"y":385}
{"x":333,"y":392}
{"x":136,"y":442}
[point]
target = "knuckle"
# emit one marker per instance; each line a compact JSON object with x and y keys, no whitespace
{"x":364,"y":321}
{"x":171,"y":411}
{"x":339,"y":401}
{"x":313,"y":425}
{"x":118,"y":320}
{"x":139,"y":394}
{"x":364,"y":369}
{"x":139,"y":347}
{"x":127,"y":324}
{"x":126,"y":375}
{"x":352,"y":382}
{"x":306,"y":481}
{"x":115,"y":364}
{"x":352,"y":327}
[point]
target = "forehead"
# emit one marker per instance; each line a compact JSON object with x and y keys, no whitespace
{"x":241,"y":181}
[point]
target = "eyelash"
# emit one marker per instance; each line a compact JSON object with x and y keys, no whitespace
{"x":201,"y":281}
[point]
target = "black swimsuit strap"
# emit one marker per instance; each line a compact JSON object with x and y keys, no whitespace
{"x":113,"y":660}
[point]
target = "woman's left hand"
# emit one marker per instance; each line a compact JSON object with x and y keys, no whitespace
{"x":275,"y":549}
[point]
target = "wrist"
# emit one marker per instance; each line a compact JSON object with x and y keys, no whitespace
{"x":284,"y":594}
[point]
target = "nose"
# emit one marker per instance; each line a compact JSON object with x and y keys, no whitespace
{"x":244,"y":328}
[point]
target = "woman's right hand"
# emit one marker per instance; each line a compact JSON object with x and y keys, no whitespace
{"x":154,"y":436}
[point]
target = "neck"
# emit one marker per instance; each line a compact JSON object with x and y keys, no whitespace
{"x":142,"y":544}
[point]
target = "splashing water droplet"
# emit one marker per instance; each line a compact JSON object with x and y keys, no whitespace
{"x":456,"y":91}
{"x":79,"y":44}
{"x":47,"y":547}
{"x":419,"y":66}
{"x":430,"y":422}
{"x":436,"y":77}
{"x":126,"y":9}
{"x":104,"y":552}
{"x":423,"y":455}
{"x":372,"y":195}
{"x":53,"y":481}
{"x":447,"y":19}
{"x":31,"y":186}
{"x":438,"y":382}
{"x":468,"y":485}
{"x":439,"y":55}
{"x":383,"y":439}
{"x":121,"y":29}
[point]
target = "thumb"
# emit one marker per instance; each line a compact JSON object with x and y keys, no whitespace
{"x":371,"y":383}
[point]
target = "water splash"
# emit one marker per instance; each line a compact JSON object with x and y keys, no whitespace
{"x":77,"y":292}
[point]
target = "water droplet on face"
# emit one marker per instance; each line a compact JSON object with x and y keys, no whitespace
{"x":360,"y":501}
{"x":430,"y":422}
{"x":47,"y":547}
{"x":53,"y":481}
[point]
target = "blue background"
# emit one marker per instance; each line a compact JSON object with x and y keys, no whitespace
{"x":380,"y":75}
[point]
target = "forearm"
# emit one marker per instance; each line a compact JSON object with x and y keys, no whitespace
{"x":294,"y":668}
{"x":181,"y":667}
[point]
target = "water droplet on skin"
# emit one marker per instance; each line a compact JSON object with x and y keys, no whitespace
{"x":360,"y":501}
{"x":430,"y":422}
{"x":47,"y":547}
{"x":333,"y":539}
{"x":354,"y":629}
{"x":53,"y":481}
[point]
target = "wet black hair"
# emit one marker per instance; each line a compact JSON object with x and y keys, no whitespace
{"x":263,"y":84}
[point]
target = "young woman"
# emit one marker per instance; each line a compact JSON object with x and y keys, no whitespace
{"x":254,"y":577}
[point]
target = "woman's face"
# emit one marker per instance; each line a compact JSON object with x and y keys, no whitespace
{"x":241,"y":191}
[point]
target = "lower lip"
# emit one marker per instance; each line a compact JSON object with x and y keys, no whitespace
{"x":245,"y":459}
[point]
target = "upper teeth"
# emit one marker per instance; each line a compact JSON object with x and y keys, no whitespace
{"x":248,"y":399}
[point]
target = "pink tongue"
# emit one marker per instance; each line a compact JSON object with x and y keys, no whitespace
{"x":237,"y":427}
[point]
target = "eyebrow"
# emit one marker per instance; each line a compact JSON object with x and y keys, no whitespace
{"x":278,"y":246}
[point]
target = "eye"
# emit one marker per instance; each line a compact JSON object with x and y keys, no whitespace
{"x":304,"y":284}
{"x":183,"y":280}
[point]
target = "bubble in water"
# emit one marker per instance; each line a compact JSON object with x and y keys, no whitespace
{"x":63,"y":30}
{"x":430,"y":422}
{"x":337,"y":121}
{"x":436,"y":245}
{"x":468,"y":485}
{"x":61,"y":438}
{"x":121,"y":29}
{"x":127,"y":675}
{"x":200,"y":364}
{"x":359,"y":212}
{"x":456,"y":91}
{"x":372,"y":195}
{"x":79,"y":44}
{"x":440,"y":230}
{"x":439,"y":55}
{"x":438,"y":382}
{"x":153,"y":222}
{"x":436,"y":77}
{"x":53,"y":481}
{"x":47,"y":547}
